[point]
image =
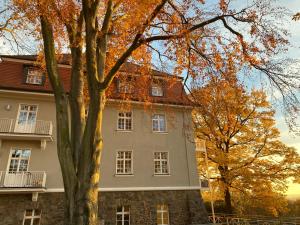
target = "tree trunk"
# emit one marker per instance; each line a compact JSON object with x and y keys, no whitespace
{"x":86,"y":195}
{"x":228,"y":205}
{"x":81,"y":198}
{"x":227,"y":196}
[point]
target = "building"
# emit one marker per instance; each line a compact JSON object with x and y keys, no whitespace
{"x":148,"y":169}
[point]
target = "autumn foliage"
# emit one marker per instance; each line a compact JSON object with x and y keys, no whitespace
{"x":250,"y":166}
{"x":197,"y":37}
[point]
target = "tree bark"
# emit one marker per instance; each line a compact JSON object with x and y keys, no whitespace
{"x":227,"y":197}
{"x":80,"y":177}
{"x":79,"y":139}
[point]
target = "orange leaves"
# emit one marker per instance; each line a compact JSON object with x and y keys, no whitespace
{"x":218,"y":61}
{"x":253,"y":30}
{"x":223,"y":4}
{"x":270,"y":39}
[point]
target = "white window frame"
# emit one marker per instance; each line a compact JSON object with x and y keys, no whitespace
{"x":19,"y":110}
{"x":124,"y":159}
{"x":159,"y":129}
{"x":32,"y":217}
{"x":160,"y":160}
{"x":34,"y":76}
{"x":157,"y":90}
{"x":19,"y":159}
{"x":125,"y":118}
{"x":162,"y":212}
{"x":123,"y":213}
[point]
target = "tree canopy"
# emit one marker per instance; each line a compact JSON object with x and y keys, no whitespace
{"x":248,"y":162}
{"x":198,"y":37}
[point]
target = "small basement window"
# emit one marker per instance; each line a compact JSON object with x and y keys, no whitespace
{"x":123,"y":215}
{"x":34,"y":76}
{"x":162,"y":212}
{"x":32,"y":217}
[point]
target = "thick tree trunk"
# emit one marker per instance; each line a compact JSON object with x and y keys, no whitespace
{"x":82,"y":203}
{"x":227,"y":196}
{"x":86,"y":207}
{"x":228,"y":204}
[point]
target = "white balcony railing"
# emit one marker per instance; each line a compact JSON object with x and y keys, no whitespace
{"x":28,"y":179}
{"x":39,"y":127}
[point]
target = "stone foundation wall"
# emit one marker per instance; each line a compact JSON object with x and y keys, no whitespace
{"x":185,"y":207}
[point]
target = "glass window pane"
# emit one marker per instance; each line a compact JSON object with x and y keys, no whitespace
{"x":37,"y":212}
{"x":22,"y":117}
{"x":36,"y":221}
{"x":126,"y":208}
{"x":164,"y":155}
{"x":31,"y":117}
{"x":26,"y":153}
{"x":119,"y":216}
{"x":29,"y":212}
{"x":165,"y":220}
{"x":27,"y":222}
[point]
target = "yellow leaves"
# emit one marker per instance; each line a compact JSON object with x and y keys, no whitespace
{"x":240,"y":133}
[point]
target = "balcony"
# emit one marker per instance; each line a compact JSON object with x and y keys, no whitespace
{"x":22,"y":180}
{"x":38,"y":130}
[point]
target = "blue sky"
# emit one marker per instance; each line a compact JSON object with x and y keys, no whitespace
{"x":294,"y":52}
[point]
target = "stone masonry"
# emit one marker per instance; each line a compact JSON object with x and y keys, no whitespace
{"x":185,"y":207}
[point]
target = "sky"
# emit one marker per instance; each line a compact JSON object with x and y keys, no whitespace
{"x":294,"y":52}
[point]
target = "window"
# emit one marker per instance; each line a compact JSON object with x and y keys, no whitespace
{"x":161,"y":165}
{"x":19,"y":160}
{"x":124,"y":162}
{"x":125,"y":85}
{"x":125,"y":121}
{"x":26,"y":120}
{"x":159,"y":123}
{"x":34,"y":76}
{"x":157,"y":90}
{"x":162,"y":215}
{"x":32,"y":217}
{"x":123,"y":215}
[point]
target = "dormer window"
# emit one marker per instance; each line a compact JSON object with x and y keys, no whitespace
{"x":34,"y":76}
{"x":125,"y":86}
{"x":157,"y":90}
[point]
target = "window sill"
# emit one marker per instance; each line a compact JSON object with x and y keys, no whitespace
{"x":125,"y":131}
{"x":124,"y":175}
{"x":160,"y":132}
{"x":162,"y":175}
{"x":34,"y":84}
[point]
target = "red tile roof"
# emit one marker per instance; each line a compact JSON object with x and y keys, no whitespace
{"x":12,"y":77}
